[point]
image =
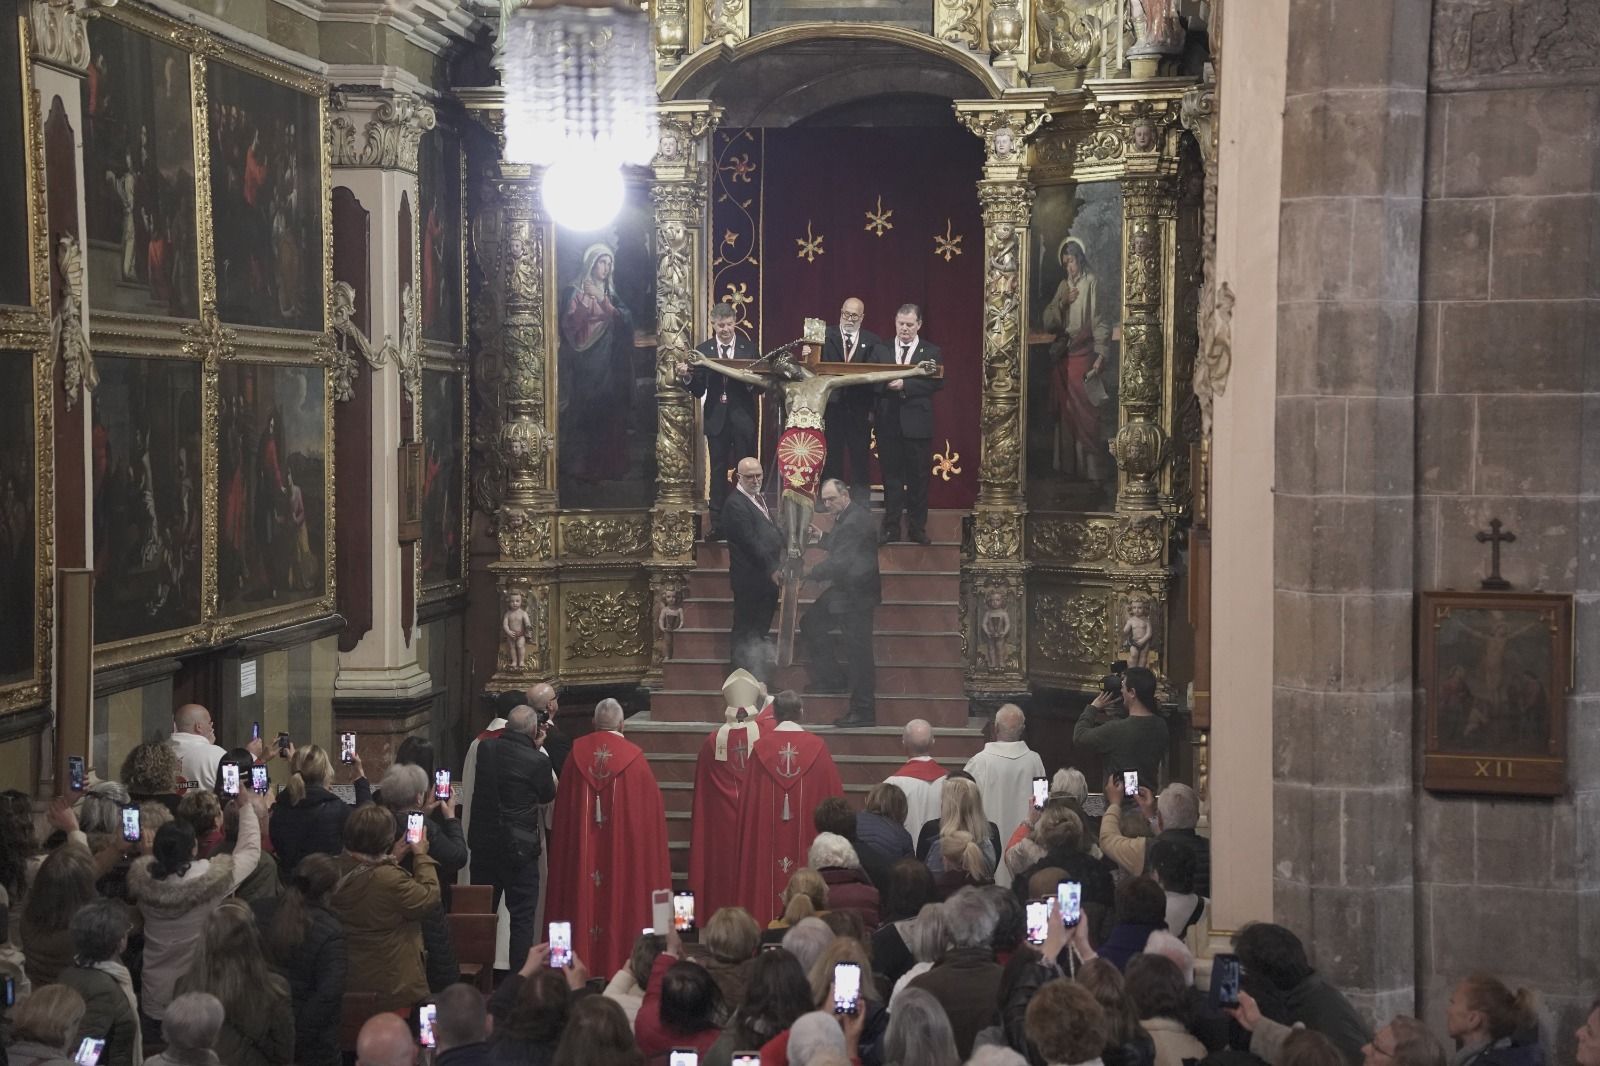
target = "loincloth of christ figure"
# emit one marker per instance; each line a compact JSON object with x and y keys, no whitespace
{"x":802,"y":448}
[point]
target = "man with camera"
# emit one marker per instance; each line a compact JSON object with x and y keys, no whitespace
{"x":514,"y":782}
{"x":1137,"y":741}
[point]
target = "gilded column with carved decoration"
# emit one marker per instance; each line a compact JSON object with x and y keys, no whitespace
{"x":992,"y":565}
{"x":1149,"y":208}
{"x":679,"y":192}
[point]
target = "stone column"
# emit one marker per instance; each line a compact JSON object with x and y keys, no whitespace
{"x":374,"y":140}
{"x":993,"y":564}
{"x":679,"y":192}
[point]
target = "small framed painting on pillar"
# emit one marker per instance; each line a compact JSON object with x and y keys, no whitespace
{"x":1496,"y":667}
{"x":410,"y":511}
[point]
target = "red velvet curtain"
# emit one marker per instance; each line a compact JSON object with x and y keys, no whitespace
{"x":890,"y":216}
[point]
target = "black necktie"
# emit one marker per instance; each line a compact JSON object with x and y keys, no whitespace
{"x":849,"y":345}
{"x":724,"y":351}
{"x":905,"y":350}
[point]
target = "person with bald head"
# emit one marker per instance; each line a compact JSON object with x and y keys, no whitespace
{"x":385,"y":1040}
{"x":514,"y":782}
{"x":544,"y":699}
{"x":921,"y":779}
{"x":847,"y":421}
{"x":755,"y":554}
{"x":608,"y":849}
{"x":1004,"y":771}
{"x":194,"y":738}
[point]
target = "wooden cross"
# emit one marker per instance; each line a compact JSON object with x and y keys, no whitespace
{"x":1494,"y":538}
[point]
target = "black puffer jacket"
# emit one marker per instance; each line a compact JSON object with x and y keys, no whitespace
{"x":514,"y":780}
{"x":315,"y":824}
{"x":316,"y":983}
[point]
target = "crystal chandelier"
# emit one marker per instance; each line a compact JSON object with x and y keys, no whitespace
{"x":580,"y":101}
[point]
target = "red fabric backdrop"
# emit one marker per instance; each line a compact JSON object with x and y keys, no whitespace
{"x":829,"y":184}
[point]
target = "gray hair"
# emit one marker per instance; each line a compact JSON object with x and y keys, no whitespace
{"x":995,"y":1055}
{"x":1165,"y":944}
{"x":831,"y":849}
{"x":401,"y":784}
{"x":838,"y":486}
{"x":1009,"y":722}
{"x":813,"y":1034}
{"x":723,"y":311}
{"x":919,"y":1031}
{"x":807,"y":940}
{"x":522,"y":719}
{"x":917,"y":736}
{"x":969,"y":918}
{"x":192,"y":1021}
{"x":608,"y":714}
{"x":100,"y":808}
{"x":98,"y":928}
{"x":1069,"y":781}
{"x":1178,"y":806}
{"x":925,"y":935}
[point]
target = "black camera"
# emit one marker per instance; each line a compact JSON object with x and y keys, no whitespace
{"x":1111,"y":684}
{"x":544,"y":717}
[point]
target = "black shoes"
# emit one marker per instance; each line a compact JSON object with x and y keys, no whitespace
{"x":855,"y":721}
{"x":888,"y":536}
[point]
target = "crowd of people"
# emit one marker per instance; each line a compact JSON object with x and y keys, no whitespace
{"x":929,"y":928}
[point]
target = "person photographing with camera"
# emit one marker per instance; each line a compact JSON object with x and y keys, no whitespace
{"x":1136,"y":741}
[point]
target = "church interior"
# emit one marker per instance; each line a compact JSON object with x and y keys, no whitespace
{"x":341,"y":397}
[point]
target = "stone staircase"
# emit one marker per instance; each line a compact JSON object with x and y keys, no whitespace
{"x":918,"y":649}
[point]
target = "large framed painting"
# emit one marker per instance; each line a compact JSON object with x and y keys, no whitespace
{"x":439,"y":177}
{"x":267,"y":211}
{"x":605,"y":374}
{"x":1074,"y":347}
{"x":148,"y":485}
{"x":19,"y":523}
{"x":1497,"y":667}
{"x":138,"y":145}
{"x":444,"y":425}
{"x":273,"y":529}
{"x":16,"y":286}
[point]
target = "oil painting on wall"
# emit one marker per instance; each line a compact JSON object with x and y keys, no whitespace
{"x":138,"y":145}
{"x":1074,"y":340}
{"x":14,"y":282}
{"x":266,"y":200}
{"x":18,"y":518}
{"x":272,"y":498}
{"x":439,"y":193}
{"x":147,"y":484}
{"x":441,"y":489}
{"x":605,"y":379}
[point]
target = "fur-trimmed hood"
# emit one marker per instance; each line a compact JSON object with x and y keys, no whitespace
{"x":205,"y":881}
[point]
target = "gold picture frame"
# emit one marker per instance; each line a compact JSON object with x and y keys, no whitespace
{"x":411,"y":478}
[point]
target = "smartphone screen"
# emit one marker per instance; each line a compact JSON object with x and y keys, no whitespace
{"x":683,"y":911}
{"x":1069,"y":900}
{"x":747,"y":1058}
{"x":75,"y":772}
{"x":130,"y":824}
{"x":1041,"y":792}
{"x":683,"y":1057}
{"x":347,"y":747}
{"x":230,"y":779}
{"x":427,"y":1014}
{"x":1130,"y":782}
{"x":283,"y":741}
{"x":258,"y":779}
{"x":11,"y":991}
{"x":89,"y":1051}
{"x":441,"y":784}
{"x":1038,"y":920}
{"x":846,"y":987}
{"x":255,"y":730}
{"x":1225,"y":980}
{"x":560,"y":945}
{"x":414,"y":827}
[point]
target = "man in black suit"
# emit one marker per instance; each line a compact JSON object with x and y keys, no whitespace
{"x":755,"y":554}
{"x":843,"y":613}
{"x":729,"y":418}
{"x":904,"y":419}
{"x":846,"y":423}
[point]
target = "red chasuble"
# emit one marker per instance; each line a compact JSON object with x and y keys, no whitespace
{"x":608,"y":849}
{"x":790,"y":773}
{"x":713,"y":876}
{"x":921,"y":770}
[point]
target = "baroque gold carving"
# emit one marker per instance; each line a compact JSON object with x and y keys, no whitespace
{"x":1139,"y":541}
{"x":956,"y":22}
{"x":997,"y":534}
{"x":1069,"y":627}
{"x":350,"y":346}
{"x":1004,"y":132}
{"x":604,"y":625}
{"x":998,"y":633}
{"x":670,"y":31}
{"x":390,"y":137}
{"x":524,"y":536}
{"x":536,"y":655}
{"x":726,"y":20}
{"x":672,"y":533}
{"x":1067,"y":35}
{"x":1143,"y":269}
{"x":67,"y":340}
{"x":619,"y":535}
{"x":1068,"y":540}
{"x":1141,"y":364}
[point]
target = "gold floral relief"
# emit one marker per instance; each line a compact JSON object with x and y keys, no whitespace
{"x":605,"y":625}
{"x":617,"y":535}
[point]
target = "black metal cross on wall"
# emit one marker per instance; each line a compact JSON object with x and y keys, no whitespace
{"x":1494,"y":538}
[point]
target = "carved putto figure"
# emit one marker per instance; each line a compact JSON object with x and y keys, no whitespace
{"x":515,"y":627}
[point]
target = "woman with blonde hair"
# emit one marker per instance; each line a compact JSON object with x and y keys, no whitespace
{"x":44,"y":1028}
{"x":308,"y":818}
{"x":228,"y":962}
{"x":875,"y":1017}
{"x":806,"y":896}
{"x":967,"y":844}
{"x":151,"y":771}
{"x":926,"y":939}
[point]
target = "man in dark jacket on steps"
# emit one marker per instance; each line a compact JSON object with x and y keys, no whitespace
{"x":514,"y":781}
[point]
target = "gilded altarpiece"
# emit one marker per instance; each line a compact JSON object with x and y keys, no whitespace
{"x":213,"y":429}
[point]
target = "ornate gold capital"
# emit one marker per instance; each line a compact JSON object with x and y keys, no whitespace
{"x":391,"y":127}
{"x":726,"y":20}
{"x":1005,"y":127}
{"x":683,"y":125}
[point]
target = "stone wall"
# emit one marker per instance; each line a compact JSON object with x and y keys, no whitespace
{"x":1508,"y":427}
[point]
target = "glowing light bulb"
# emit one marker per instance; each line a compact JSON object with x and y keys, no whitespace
{"x":583,"y":193}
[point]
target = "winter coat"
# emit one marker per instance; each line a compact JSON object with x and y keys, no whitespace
{"x":1174,"y":1043}
{"x":381,"y":908}
{"x":316,"y":975}
{"x":889,"y":839}
{"x":1317,"y":1005}
{"x":966,"y":982}
{"x":175,"y":909}
{"x":315,"y":824}
{"x":109,"y":1016}
{"x":268,"y":1040}
{"x":1519,"y":1049}
{"x":46,"y":952}
{"x":27,"y":1053}
{"x":851,"y":890}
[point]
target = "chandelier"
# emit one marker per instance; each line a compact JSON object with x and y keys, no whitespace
{"x":580,"y":101}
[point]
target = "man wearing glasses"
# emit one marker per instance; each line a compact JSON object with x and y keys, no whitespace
{"x":846,"y":423}
{"x":755,"y":556}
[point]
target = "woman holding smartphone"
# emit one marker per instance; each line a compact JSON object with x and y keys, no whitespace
{"x":381,"y":907}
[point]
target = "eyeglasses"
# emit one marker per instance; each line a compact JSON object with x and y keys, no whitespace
{"x":853,"y":316}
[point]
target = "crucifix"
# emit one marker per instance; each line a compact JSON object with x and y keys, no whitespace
{"x":1494,"y":538}
{"x":804,"y":383}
